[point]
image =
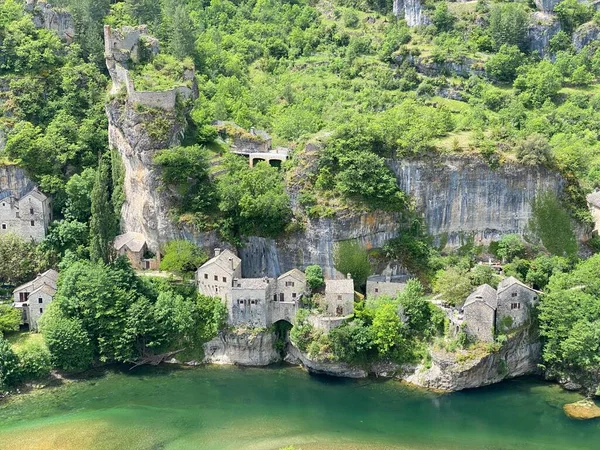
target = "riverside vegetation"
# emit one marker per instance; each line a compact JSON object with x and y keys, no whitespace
{"x":340,"y":74}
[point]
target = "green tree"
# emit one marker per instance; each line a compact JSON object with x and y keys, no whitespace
{"x":417,"y":309}
{"x":19,"y":259}
{"x":10,"y":319}
{"x":453,"y":284}
{"x":538,"y":83}
{"x":572,"y":13}
{"x":314,"y":277}
{"x":349,"y":257}
{"x":551,"y":224}
{"x":387,"y":330}
{"x":66,"y":340}
{"x":503,"y":65}
{"x":35,"y":361}
{"x":442,"y":18}
{"x":181,"y":42}
{"x":511,"y":246}
{"x":103,"y":225}
{"x":352,"y":342}
{"x":508,"y":25}
{"x":182,"y":257}
{"x":534,"y":150}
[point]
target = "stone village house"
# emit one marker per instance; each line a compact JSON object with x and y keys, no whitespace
{"x":135,"y":248}
{"x":33,"y":298}
{"x":488,"y":311}
{"x":261,"y":302}
{"x":26,"y":213}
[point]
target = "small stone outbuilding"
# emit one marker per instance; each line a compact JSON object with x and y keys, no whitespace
{"x":26,"y":213}
{"x":135,"y":248}
{"x":215,"y":277}
{"x":339,"y":297}
{"x":480,"y":313}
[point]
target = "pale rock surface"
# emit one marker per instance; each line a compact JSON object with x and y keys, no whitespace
{"x":242,"y":348}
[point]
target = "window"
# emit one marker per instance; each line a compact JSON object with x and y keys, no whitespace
{"x":289,"y":284}
{"x":376,"y":290}
{"x":216,"y":277}
{"x":240,"y":302}
{"x":4,"y":226}
{"x":40,"y":300}
{"x":224,"y":279}
{"x":514,"y":294}
{"x":23,"y":296}
{"x":206,"y":276}
{"x":281,"y":297}
{"x":30,"y":210}
{"x":3,"y":204}
{"x":293,"y":295}
{"x":515,"y":306}
{"x":339,"y":297}
{"x":33,"y":223}
{"x":252,"y":302}
{"x":275,"y":297}
{"x":41,"y":310}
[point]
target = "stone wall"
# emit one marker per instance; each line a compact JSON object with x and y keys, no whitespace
{"x":479,"y":321}
{"x":242,"y":348}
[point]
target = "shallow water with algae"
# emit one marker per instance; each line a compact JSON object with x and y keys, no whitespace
{"x":221,"y":408}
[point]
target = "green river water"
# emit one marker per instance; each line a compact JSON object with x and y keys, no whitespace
{"x":230,"y":408}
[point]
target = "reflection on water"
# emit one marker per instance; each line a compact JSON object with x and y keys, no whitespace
{"x":259,"y":409}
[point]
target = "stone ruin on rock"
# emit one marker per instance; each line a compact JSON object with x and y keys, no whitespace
{"x":55,"y":19}
{"x":261,"y":302}
{"x":127,"y":46}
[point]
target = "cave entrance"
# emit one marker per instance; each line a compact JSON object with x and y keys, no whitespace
{"x":282,"y":328}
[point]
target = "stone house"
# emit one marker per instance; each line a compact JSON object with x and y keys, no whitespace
{"x":134,"y":246}
{"x":215,"y":277}
{"x":488,"y":311}
{"x":33,"y":298}
{"x":339,"y":297}
{"x":387,"y":284}
{"x":479,"y":312}
{"x":26,"y":213}
{"x":515,"y":301}
{"x":250,"y":301}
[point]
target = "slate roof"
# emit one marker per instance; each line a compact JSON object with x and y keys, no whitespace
{"x":344,"y":286}
{"x":35,"y":194}
{"x":49,"y":277}
{"x":484,"y":293}
{"x":132,"y":240}
{"x":295,"y":273}
{"x":252,"y":283}
{"x":508,"y":282}
{"x":48,"y":289}
{"x":222,"y":260}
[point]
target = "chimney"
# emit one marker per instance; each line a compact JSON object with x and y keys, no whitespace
{"x":388,"y":278}
{"x":217,"y":251}
{"x":348,"y":276}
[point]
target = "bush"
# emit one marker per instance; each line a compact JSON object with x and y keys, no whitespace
{"x":301,"y":333}
{"x":534,"y":150}
{"x":314,"y":277}
{"x":67,"y":341}
{"x":503,"y":65}
{"x":10,"y":319}
{"x":551,"y":224}
{"x":182,"y":257}
{"x":35,"y":361}
{"x":538,"y":83}
{"x":572,"y":13}
{"x":510,"y":247}
{"x":9,"y":364}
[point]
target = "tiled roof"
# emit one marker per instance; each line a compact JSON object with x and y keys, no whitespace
{"x":132,"y":240}
{"x":508,"y":282}
{"x":295,"y":273}
{"x":252,"y":283}
{"x":222,"y":260}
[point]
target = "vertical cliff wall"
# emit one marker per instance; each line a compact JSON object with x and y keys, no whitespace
{"x":13,"y":178}
{"x":461,"y":196}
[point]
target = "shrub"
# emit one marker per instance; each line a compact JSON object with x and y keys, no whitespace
{"x":182,"y":257}
{"x":10,"y":319}
{"x":314,"y":277}
{"x":35,"y":361}
{"x":350,"y":257}
{"x":503,"y":65}
{"x":9,"y":364}
{"x":534,"y":150}
{"x":551,"y":224}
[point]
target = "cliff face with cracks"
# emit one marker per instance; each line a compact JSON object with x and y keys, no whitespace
{"x":462,"y":196}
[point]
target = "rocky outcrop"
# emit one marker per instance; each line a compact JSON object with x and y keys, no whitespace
{"x":13,"y":178}
{"x":243,"y":348}
{"x":546,"y":5}
{"x":465,"y":67}
{"x":335,"y":369}
{"x":454,"y":372}
{"x":463,"y":197}
{"x":542,"y":28}
{"x":58,"y":20}
{"x":585,"y":34}
{"x":411,"y":11}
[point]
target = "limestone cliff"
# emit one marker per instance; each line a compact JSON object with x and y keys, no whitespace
{"x":462,"y":196}
{"x":585,"y":34}
{"x":244,"y":349}
{"x":451,"y":372}
{"x":55,"y":19}
{"x":13,"y":178}
{"x":411,"y":11}
{"x":542,"y":27}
